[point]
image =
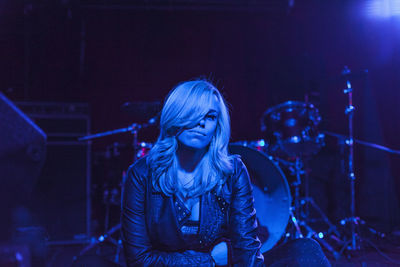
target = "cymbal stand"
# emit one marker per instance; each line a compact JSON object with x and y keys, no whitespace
{"x":107,"y":236}
{"x":298,"y":172}
{"x":349,"y":111}
{"x":102,"y":238}
{"x":353,"y":220}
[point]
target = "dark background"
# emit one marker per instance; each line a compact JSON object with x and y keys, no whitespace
{"x":258,"y":54}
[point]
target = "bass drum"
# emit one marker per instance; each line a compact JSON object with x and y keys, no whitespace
{"x":271,"y":194}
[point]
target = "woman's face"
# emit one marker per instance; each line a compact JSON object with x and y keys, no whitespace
{"x":199,"y":137}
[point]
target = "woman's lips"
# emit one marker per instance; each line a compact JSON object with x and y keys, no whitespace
{"x":197,"y":133}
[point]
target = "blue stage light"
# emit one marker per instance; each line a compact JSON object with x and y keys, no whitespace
{"x":383,"y":8}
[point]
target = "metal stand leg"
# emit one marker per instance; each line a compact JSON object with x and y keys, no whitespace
{"x":300,"y":221}
{"x":355,"y":222}
{"x":106,"y":237}
{"x":296,"y":224}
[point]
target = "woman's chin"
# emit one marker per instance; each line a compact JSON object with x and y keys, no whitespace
{"x":196,"y":147}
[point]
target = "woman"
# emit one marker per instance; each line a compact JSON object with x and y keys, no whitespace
{"x":190,"y":203}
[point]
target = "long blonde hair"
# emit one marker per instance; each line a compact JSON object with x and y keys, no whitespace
{"x":184,"y":107}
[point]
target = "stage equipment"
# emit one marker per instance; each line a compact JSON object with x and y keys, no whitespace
{"x":271,"y":193}
{"x":291,"y":129}
{"x":300,"y":210}
{"x":349,"y":111}
{"x":61,"y":198}
{"x":15,"y":255}
{"x":292,"y":134}
{"x":22,"y":155}
{"x":364,"y":143}
{"x":113,"y":197}
{"x":354,"y":221}
{"x":140,"y":108}
{"x":113,"y":163}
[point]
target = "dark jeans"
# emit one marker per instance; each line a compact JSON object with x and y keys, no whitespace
{"x":304,"y":252}
{"x":93,"y":261}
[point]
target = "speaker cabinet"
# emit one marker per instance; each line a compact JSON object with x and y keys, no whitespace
{"x":61,"y":198}
{"x":22,"y":154}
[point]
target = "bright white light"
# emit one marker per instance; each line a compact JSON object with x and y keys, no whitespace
{"x":382,"y":8}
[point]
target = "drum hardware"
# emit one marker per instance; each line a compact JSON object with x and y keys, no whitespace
{"x":296,"y":224}
{"x":360,"y":142}
{"x":296,"y":184}
{"x":300,"y":219}
{"x":133,"y":129}
{"x":259,"y":145}
{"x":352,"y":220}
{"x":112,"y":196}
{"x":349,"y":111}
{"x":297,"y":219}
{"x":343,"y":140}
{"x":107,"y":236}
{"x":319,"y":236}
{"x":354,"y":242}
{"x":291,"y":129}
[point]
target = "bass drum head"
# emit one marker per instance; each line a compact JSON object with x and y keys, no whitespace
{"x":271,"y":194}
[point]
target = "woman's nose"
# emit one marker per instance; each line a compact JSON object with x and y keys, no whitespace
{"x":202,"y":123}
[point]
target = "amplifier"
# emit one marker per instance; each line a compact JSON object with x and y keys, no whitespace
{"x":22,"y":155}
{"x":61,"y":198}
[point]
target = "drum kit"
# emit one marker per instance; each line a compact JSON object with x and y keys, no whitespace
{"x":291,"y":136}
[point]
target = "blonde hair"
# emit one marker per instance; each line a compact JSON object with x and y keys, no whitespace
{"x":184,"y":107}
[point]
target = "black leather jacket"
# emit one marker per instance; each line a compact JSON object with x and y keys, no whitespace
{"x":151,"y":222}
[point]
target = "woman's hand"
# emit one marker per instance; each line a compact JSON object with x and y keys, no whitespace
{"x":220,"y":253}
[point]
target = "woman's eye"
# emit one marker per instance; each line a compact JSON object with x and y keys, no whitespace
{"x":211,"y":117}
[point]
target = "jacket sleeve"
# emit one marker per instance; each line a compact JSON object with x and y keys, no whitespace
{"x":137,"y":246}
{"x":242,"y":222}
